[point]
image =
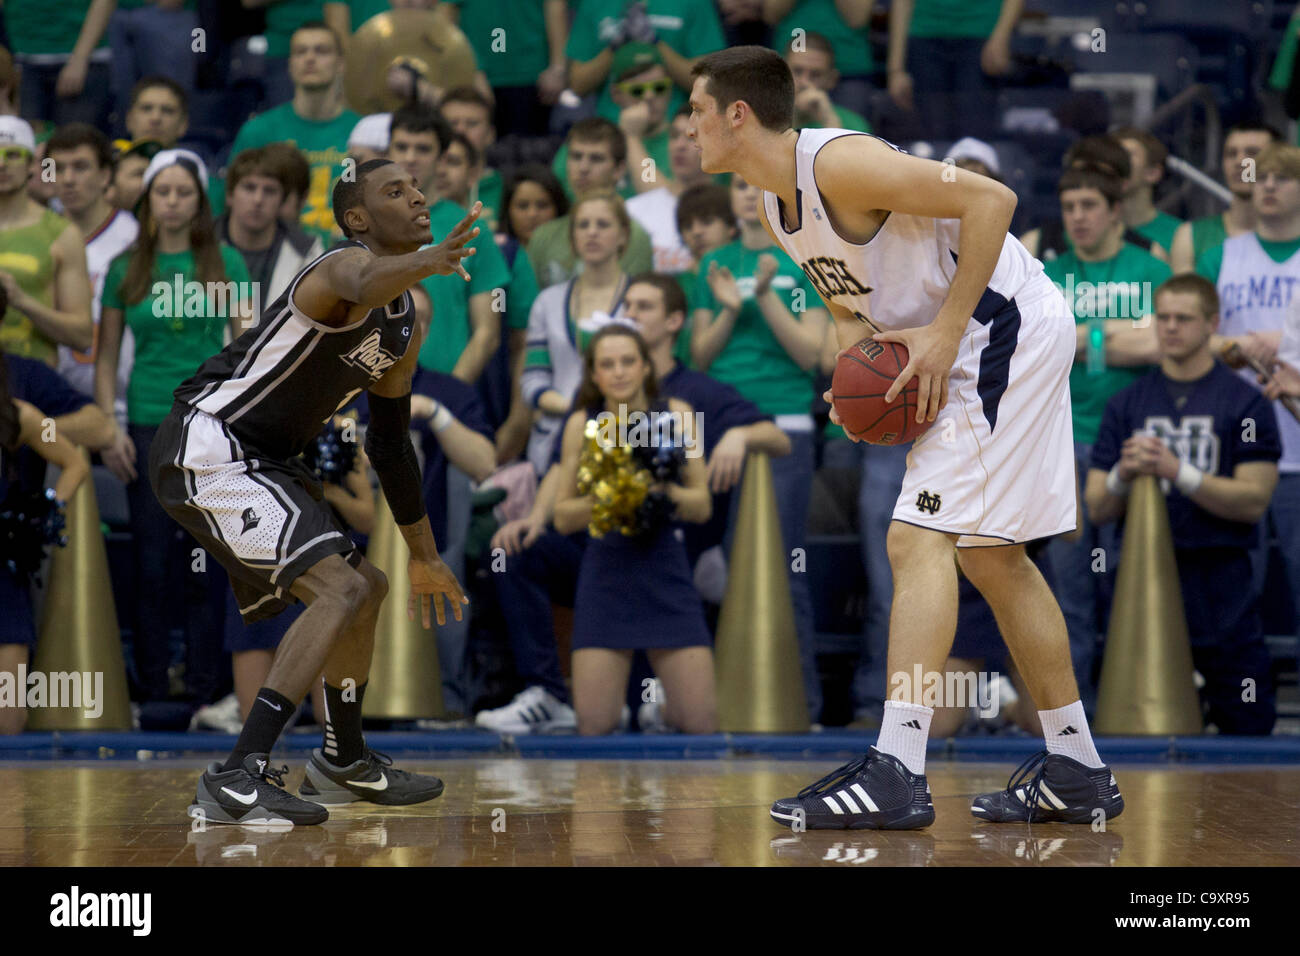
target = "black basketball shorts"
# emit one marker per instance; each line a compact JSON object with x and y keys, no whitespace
{"x":264,"y":520}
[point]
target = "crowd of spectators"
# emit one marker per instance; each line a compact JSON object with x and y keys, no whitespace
{"x":148,"y":147}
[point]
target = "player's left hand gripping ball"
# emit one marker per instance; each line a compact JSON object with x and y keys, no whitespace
{"x":434,"y":579}
{"x":931,"y":354}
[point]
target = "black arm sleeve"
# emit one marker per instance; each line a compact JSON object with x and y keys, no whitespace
{"x":388,"y":443}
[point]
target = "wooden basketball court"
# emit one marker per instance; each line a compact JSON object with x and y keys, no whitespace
{"x":511,"y":811}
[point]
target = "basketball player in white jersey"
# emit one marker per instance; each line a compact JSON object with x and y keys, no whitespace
{"x":917,"y":252}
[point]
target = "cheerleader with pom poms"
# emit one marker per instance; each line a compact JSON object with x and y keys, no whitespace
{"x":628,"y":475}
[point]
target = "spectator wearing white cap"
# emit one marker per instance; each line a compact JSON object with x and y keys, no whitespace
{"x":976,"y":156}
{"x":369,"y":138}
{"x":176,"y":289}
{"x":44,"y":261}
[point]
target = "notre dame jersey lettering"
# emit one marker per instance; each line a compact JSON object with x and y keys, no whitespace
{"x":280,"y":381}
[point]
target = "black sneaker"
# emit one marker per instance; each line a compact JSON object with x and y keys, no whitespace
{"x":1050,"y":788}
{"x":875,"y":792}
{"x":252,"y":795}
{"x":371,"y":778}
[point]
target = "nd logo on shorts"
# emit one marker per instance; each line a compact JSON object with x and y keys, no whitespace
{"x":927,"y":502}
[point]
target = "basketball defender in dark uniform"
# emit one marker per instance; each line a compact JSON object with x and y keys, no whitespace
{"x":222,"y":466}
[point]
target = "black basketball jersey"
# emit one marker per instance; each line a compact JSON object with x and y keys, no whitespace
{"x":279,"y":382}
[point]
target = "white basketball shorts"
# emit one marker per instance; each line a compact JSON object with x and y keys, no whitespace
{"x":997,"y":465}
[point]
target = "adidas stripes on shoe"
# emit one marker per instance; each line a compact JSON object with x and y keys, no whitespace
{"x":875,"y":792}
{"x":1053,"y":788}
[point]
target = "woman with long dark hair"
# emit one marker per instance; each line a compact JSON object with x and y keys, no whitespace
{"x":23,"y":424}
{"x":173,"y":289}
{"x":635,"y":591}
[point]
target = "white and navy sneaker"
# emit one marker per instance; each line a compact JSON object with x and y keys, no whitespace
{"x":874,"y":792}
{"x":252,"y":795}
{"x":372,"y":778}
{"x":533,"y":711}
{"x":1050,"y":788}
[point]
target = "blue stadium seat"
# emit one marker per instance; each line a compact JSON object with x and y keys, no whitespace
{"x":1107,"y":11}
{"x":1210,"y":17}
{"x":1169,"y":56}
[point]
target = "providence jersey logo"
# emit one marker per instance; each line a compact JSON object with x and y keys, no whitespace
{"x":251,"y":520}
{"x":369,"y":357}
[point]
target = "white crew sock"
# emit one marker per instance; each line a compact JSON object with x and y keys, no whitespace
{"x":904,"y":731}
{"x":1066,"y":732}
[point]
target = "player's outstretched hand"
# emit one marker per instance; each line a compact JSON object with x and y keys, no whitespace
{"x":930,"y":357}
{"x":447,"y":255}
{"x":433,"y":579}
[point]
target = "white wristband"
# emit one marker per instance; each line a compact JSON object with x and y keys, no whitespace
{"x":441,"y":417}
{"x":1117,"y":485}
{"x":1189,"y":479}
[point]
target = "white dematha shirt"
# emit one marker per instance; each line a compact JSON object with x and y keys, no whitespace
{"x":900,"y":278}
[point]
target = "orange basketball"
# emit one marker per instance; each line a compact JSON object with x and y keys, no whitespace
{"x":862,"y":377}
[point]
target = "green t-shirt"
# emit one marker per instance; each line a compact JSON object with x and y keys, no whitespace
{"x":753,"y":361}
{"x":1280,"y":78}
{"x":450,"y":329}
{"x":285,"y":16}
{"x":847,"y":119}
{"x":1279,"y":250}
{"x":37,"y":27}
{"x":490,"y":188}
{"x":689,"y":27}
{"x":323,"y":142}
{"x":852,"y":51}
{"x":514,"y":56}
{"x":25,"y":255}
{"x":656,"y":147}
{"x":553,"y":260}
{"x":173,"y":337}
{"x":954,"y":18}
{"x":1161,"y":229}
{"x":523,"y":290}
{"x":1121,"y":287}
{"x":362,"y":10}
{"x":1207,"y":233}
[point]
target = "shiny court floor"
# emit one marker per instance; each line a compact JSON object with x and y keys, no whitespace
{"x":534,"y":812}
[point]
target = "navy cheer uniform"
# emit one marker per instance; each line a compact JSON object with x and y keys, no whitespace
{"x":39,"y":385}
{"x":637,"y":592}
{"x":222,"y":462}
{"x":1214,"y":423}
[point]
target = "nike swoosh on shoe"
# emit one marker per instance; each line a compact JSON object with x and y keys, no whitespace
{"x":247,"y":799}
{"x":380,"y":784}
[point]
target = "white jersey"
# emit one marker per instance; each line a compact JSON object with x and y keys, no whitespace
{"x":900,"y":278}
{"x":656,"y":211}
{"x":103,"y":245}
{"x":997,"y":466}
{"x":1255,"y":295}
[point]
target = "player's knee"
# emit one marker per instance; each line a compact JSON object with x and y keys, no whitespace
{"x":990,"y":565}
{"x":376,"y":584}
{"x":907,"y":543}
